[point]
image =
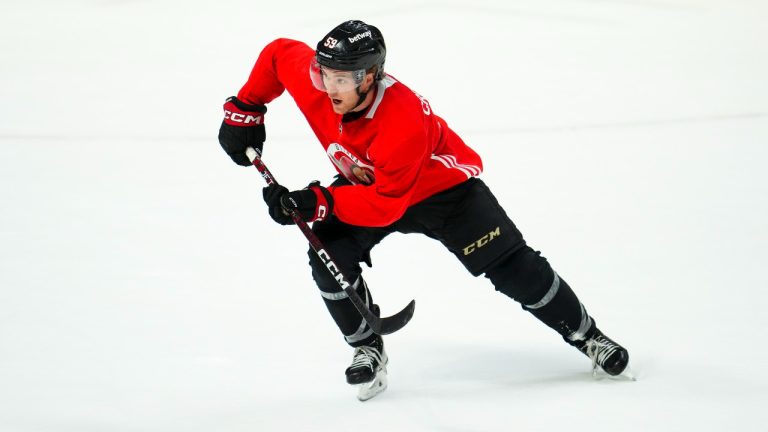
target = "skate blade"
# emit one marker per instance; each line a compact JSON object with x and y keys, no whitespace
{"x":370,"y":389}
{"x":626,"y":375}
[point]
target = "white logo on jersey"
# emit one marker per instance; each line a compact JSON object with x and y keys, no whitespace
{"x":350,"y":166}
{"x":424,"y":104}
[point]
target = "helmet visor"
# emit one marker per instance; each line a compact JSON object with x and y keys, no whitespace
{"x":333,"y":80}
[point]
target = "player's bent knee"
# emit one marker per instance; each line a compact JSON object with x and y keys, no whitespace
{"x":525,"y":276}
{"x":327,"y":268}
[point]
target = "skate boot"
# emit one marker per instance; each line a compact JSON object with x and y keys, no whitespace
{"x":369,"y":369}
{"x":604,"y":352}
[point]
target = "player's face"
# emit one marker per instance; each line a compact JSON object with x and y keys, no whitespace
{"x":339,"y":81}
{"x":341,"y":87}
{"x":342,"y":101}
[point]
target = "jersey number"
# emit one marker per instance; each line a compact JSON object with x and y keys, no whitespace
{"x":330,"y":42}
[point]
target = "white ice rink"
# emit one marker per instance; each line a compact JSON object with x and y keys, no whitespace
{"x":143,"y":288}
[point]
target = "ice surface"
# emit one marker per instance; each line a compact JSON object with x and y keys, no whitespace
{"x":143,"y":287}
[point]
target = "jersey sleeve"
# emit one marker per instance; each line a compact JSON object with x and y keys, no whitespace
{"x":281,"y":64}
{"x":398,"y":161}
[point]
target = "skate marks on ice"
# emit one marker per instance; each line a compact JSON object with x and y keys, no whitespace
{"x":448,"y":372}
{"x":493,"y":385}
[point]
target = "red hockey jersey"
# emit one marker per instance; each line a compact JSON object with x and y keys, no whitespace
{"x":409,"y":151}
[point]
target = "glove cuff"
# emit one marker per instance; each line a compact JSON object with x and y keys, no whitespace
{"x":246,"y":106}
{"x":241,"y":114}
{"x":324,"y":206}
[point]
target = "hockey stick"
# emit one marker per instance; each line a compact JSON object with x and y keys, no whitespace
{"x":380,"y":326}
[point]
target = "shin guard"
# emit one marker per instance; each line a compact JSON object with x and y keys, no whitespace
{"x":528,"y":278}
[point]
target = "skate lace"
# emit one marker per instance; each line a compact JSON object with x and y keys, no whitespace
{"x":365,"y":356}
{"x":598,"y":350}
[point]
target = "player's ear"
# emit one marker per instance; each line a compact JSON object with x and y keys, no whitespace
{"x":368,"y":80}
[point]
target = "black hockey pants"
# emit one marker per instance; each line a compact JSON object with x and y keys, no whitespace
{"x":468,"y":220}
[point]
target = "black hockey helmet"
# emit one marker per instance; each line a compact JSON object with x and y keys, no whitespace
{"x":353,"y":45}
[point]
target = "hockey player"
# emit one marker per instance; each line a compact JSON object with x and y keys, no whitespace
{"x":401,"y":169}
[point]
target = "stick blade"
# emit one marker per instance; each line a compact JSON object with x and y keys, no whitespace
{"x":388,"y":325}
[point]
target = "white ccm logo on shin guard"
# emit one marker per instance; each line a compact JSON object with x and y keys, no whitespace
{"x":482,"y":241}
{"x":332,"y":268}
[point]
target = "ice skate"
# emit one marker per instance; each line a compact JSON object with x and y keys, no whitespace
{"x":605,"y":353}
{"x":369,"y":369}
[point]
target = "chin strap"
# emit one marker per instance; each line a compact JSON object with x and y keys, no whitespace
{"x":362,"y":95}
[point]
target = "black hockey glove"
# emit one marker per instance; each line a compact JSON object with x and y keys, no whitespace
{"x":243,"y":127}
{"x":314,"y":203}
{"x":272,"y":195}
